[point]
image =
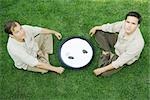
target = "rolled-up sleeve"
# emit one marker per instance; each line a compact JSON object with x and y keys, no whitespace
{"x":114,"y":27}
{"x":131,"y":52}
{"x":34,"y":30}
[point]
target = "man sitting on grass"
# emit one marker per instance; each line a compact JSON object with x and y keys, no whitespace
{"x":128,"y":43}
{"x":29,"y":47}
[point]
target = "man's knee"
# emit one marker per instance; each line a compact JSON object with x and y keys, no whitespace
{"x":99,"y":35}
{"x":99,"y":32}
{"x":47,"y":45}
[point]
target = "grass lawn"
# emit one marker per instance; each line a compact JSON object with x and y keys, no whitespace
{"x":73,"y":18}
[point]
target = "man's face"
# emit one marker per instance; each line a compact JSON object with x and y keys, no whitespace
{"x":131,"y":23}
{"x":18,"y":32}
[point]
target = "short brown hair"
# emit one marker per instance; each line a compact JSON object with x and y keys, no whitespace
{"x":135,"y":14}
{"x":9,"y":25}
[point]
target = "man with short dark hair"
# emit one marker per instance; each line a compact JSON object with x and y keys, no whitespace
{"x":29,"y":47}
{"x":128,"y":44}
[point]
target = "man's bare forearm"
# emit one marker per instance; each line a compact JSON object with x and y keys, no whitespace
{"x":48,"y":31}
{"x":98,"y":71}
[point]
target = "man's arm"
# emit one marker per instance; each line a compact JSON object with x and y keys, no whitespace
{"x":114,"y":27}
{"x":21,"y":54}
{"x":94,"y":29}
{"x":48,"y":31}
{"x":36,"y":30}
{"x":99,"y":71}
{"x":133,"y":50}
{"x":121,"y":60}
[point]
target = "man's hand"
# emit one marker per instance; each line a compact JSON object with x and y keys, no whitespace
{"x":98,"y":71}
{"x":58,"y":35}
{"x":93,"y":30}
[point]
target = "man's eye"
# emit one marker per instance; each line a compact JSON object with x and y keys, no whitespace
{"x":133,"y":23}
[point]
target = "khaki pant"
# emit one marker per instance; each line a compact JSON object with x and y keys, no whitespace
{"x":45,"y":44}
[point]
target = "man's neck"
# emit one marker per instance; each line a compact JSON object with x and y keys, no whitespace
{"x":20,"y":40}
{"x":127,"y":35}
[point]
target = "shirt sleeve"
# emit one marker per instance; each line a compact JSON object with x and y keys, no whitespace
{"x":22,"y":55}
{"x":34,"y":30}
{"x":114,"y":27}
{"x":132,"y":51}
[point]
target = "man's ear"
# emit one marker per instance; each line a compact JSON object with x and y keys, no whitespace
{"x":11,"y":35}
{"x":138,"y":25}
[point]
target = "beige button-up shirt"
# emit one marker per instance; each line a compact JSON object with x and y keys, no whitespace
{"x":128,"y":49}
{"x":24,"y":53}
